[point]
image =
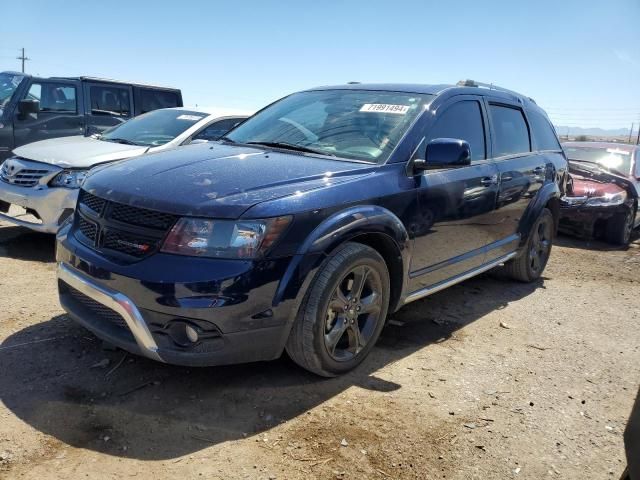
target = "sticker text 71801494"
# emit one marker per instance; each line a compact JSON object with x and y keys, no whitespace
{"x":384,"y":108}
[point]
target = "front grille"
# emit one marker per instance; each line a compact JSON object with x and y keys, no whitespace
{"x":133,"y":245}
{"x":101,"y":314}
{"x":142,"y":217}
{"x":91,"y":201}
{"x":88,"y":229}
{"x":120,"y":230}
{"x":23,"y":177}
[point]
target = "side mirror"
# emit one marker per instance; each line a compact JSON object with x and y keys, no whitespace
{"x":445,"y":153}
{"x":198,"y":140}
{"x":28,"y":106}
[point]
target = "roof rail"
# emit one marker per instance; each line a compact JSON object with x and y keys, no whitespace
{"x":490,"y":86}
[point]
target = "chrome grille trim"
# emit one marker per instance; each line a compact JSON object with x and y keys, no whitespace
{"x":23,"y":173}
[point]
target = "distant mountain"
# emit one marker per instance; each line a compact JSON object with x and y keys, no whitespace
{"x":593,"y":132}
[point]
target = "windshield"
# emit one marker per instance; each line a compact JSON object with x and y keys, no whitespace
{"x":154,"y":128}
{"x":613,"y":159}
{"x":361,"y":125}
{"x":8,"y":84}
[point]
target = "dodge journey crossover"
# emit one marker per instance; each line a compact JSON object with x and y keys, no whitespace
{"x":302,"y":228}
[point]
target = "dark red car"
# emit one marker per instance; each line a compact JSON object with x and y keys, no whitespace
{"x":602,"y":196}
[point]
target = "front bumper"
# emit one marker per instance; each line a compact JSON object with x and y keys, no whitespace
{"x":51,"y":206}
{"x":145,"y":307}
{"x":582,"y":221}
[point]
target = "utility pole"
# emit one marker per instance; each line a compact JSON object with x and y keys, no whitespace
{"x":23,"y":58}
{"x":630,"y":132}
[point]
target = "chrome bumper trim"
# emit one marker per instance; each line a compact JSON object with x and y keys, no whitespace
{"x":425,"y":292}
{"x":115,"y":301}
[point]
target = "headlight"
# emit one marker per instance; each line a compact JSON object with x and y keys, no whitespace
{"x":573,"y":201}
{"x":242,"y":239}
{"x":607,"y":200}
{"x":69,"y":179}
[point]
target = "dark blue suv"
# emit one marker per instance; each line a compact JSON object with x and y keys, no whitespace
{"x":310,"y":222}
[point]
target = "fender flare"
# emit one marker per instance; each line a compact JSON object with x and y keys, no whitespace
{"x":548,"y":192}
{"x":335,"y":230}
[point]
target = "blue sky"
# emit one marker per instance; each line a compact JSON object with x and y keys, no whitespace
{"x":579,"y":59}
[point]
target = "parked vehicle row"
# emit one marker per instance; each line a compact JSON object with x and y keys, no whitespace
{"x":34,"y":108}
{"x":39,"y":185}
{"x":305,"y":225}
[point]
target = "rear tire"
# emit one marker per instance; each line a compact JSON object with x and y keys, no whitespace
{"x":619,"y":228}
{"x":529,"y":266}
{"x":343,"y":312}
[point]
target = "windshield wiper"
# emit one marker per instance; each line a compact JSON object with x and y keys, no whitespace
{"x":123,"y":141}
{"x":291,"y":146}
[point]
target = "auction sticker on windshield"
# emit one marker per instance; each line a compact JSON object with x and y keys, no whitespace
{"x":193,"y":118}
{"x":385,"y":108}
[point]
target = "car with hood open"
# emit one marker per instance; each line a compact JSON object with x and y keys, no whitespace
{"x":303,"y":227}
{"x":602,"y":195}
{"x":39,"y":184}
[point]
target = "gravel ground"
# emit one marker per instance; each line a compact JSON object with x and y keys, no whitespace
{"x":489,"y":379}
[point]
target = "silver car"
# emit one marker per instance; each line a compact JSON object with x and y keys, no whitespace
{"x":39,"y":185}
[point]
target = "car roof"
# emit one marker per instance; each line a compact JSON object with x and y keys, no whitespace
{"x":620,"y":146}
{"x":461,"y":88}
{"x":388,"y":87}
{"x":111,"y":80}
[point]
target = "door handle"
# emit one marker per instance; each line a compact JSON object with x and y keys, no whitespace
{"x":506,"y":178}
{"x":488,"y":181}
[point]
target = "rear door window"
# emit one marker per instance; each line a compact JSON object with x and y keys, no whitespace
{"x":54,"y":97}
{"x":511,"y":135}
{"x":462,"y":120}
{"x":156,"y":99}
{"x":217,"y":129}
{"x":110,"y":100}
{"x":544,"y":135}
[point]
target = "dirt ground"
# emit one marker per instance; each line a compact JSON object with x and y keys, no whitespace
{"x":489,"y":379}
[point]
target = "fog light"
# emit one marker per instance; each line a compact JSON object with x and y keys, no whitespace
{"x":183,"y":334}
{"x":192,"y":335}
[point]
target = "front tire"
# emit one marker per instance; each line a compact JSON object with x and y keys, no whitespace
{"x":619,"y":229}
{"x":529,"y":266}
{"x":343,"y":312}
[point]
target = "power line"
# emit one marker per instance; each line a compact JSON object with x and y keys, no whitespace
{"x":23,"y":58}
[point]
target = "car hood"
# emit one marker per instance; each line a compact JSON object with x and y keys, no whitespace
{"x":217,"y":181}
{"x":593,"y":181}
{"x":77,"y":152}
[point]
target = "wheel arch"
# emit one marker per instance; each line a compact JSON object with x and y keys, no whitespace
{"x":371,"y":225}
{"x":547,"y":197}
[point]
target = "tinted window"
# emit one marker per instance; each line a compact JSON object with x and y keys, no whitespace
{"x":510,"y":131}
{"x":155,"y":99}
{"x":543,"y":133}
{"x":463,"y":121}
{"x":108,"y":100}
{"x":54,"y":97}
{"x":218,"y":129}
